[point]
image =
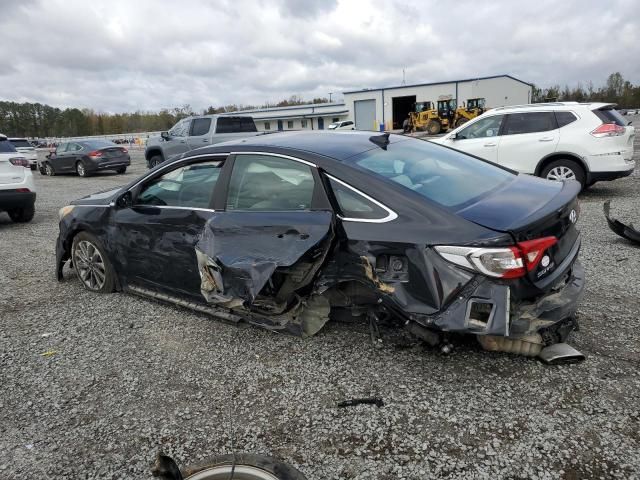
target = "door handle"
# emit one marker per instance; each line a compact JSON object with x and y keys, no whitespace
{"x":205,"y":140}
{"x":545,"y":139}
{"x":490,"y":144}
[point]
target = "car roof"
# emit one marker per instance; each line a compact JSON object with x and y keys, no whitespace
{"x":18,"y":138}
{"x":556,"y":106}
{"x":337,"y":145}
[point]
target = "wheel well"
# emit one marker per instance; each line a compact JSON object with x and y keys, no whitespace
{"x":153,"y":152}
{"x":558,"y":156}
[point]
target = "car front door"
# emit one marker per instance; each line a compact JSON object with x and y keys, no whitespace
{"x":156,"y":234}
{"x":199,"y":135}
{"x":59,"y":160}
{"x":526,"y":138}
{"x":72,"y":155}
{"x":479,"y":138}
{"x":177,"y":142}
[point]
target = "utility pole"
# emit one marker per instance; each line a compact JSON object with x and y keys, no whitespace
{"x":330,"y":93}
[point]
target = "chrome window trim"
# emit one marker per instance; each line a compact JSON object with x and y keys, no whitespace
{"x":269,"y":154}
{"x":173,"y":162}
{"x":171,"y":207}
{"x":391,"y":215}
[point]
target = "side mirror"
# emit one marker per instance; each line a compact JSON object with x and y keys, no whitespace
{"x":165,"y":135}
{"x":125,"y":200}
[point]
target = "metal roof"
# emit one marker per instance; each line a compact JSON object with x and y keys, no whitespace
{"x":438,"y":83}
{"x":292,"y":107}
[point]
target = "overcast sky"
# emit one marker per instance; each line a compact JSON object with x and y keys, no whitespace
{"x":126,"y":55}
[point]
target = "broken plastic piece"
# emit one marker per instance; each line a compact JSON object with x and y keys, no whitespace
{"x":48,"y":353}
{"x":560,"y":353}
{"x":619,"y":228}
{"x":377,"y":401}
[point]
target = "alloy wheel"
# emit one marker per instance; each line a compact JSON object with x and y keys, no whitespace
{"x":90,"y":265}
{"x":48,"y":169}
{"x":240,"y":472}
{"x":80,"y":169}
{"x":561,"y":173}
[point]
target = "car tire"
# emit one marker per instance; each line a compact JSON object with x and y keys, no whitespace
{"x":22,"y":215}
{"x":81,"y":170}
{"x":433,"y":127}
{"x":91,"y":263}
{"x":461,"y":121}
{"x":33,"y":167}
{"x":121,"y":170}
{"x":48,"y":169}
{"x":155,"y":160}
{"x":216,"y":466}
{"x":564,"y":169}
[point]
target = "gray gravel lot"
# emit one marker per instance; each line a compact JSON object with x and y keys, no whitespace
{"x":130,"y":377}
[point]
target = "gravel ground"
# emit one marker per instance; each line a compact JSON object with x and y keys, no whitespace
{"x":130,"y":377}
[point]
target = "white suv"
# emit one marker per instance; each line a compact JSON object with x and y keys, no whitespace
{"x":588,"y":142}
{"x":17,"y":189}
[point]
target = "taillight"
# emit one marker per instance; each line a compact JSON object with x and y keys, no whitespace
{"x":608,"y":130}
{"x":506,"y":262}
{"x":22,"y":190}
{"x":95,"y":154}
{"x":19,"y":162}
{"x":124,"y":150}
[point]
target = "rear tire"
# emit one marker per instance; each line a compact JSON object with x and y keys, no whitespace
{"x":121,"y":170}
{"x":48,"y":169}
{"x":433,"y":127}
{"x":564,"y":169}
{"x":81,"y":170}
{"x":461,"y":121}
{"x":22,"y":215}
{"x":155,"y":160}
{"x":92,"y":264}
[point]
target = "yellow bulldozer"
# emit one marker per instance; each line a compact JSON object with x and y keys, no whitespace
{"x":446,"y":115}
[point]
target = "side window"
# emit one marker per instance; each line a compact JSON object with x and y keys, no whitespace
{"x":61,"y":148}
{"x":346,"y":124}
{"x":186,"y":186}
{"x":74,"y":147}
{"x":235,"y":125}
{"x":565,"y":118}
{"x":200,"y":126}
{"x":180,"y":129}
{"x":483,"y":128}
{"x":265,"y":183}
{"x":353,"y":205}
{"x":530,"y":122}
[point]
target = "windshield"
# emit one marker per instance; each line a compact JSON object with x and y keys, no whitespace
{"x":332,"y":126}
{"x":20,"y":143}
{"x":448,"y":177}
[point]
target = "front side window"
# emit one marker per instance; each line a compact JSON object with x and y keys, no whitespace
{"x":266,"y":183}
{"x":530,"y":122}
{"x":180,"y":129}
{"x":353,"y":205}
{"x":483,"y":128}
{"x":200,"y":126}
{"x":447,"y":177}
{"x":186,"y":186}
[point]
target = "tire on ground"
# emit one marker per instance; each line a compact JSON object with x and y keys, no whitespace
{"x":575,"y":167}
{"x":22,"y":215}
{"x":461,"y":121}
{"x":81,"y":169}
{"x":110,"y":274}
{"x":155,"y":160}
{"x":49,"y":170}
{"x":434,"y":127}
{"x":121,"y":170}
{"x":279,"y":469}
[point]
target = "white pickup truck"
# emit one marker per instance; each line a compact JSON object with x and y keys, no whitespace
{"x":194,"y":132}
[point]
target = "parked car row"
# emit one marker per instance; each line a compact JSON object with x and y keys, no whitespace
{"x":587,"y":142}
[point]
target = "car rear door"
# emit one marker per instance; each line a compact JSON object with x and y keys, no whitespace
{"x":274,"y":232}
{"x":479,"y":138}
{"x":526,"y":138}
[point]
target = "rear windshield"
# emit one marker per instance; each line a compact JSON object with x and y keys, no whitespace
{"x":611,"y":115}
{"x":6,"y":146}
{"x":21,"y":143}
{"x":98,"y":143}
{"x":235,"y":125}
{"x":449,"y":178}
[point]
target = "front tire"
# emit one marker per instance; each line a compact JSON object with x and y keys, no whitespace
{"x":252,"y":466}
{"x":22,"y":215}
{"x":48,"y":169}
{"x":434,"y":127}
{"x":155,"y":161}
{"x":121,"y":170}
{"x":92,"y":264}
{"x":564,"y":169}
{"x":461,"y":121}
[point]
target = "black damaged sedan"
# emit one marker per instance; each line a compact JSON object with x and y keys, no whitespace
{"x":290,"y":230}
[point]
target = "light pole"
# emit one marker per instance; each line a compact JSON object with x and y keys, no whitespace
{"x":330,"y":93}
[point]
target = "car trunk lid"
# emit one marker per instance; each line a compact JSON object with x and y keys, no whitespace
{"x":511,"y":209}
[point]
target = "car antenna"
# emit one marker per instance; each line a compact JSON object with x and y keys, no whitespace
{"x":380,"y":140}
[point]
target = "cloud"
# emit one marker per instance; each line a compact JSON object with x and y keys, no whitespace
{"x":119,"y":55}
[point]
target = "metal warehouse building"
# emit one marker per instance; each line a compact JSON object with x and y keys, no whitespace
{"x":371,"y":108}
{"x":313,"y":117}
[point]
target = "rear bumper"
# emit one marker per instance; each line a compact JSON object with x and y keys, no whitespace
{"x":606,"y":176}
{"x":108,"y":165}
{"x":10,"y":199}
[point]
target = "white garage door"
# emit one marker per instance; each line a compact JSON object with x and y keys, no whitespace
{"x":365,"y":113}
